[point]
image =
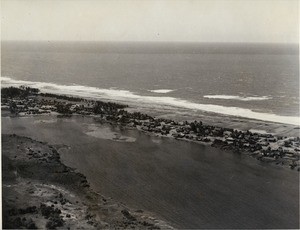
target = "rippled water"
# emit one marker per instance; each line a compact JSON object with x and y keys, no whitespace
{"x":244,"y":78}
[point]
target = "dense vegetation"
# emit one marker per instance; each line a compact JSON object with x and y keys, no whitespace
{"x":97,"y":107}
{"x":21,"y":92}
{"x":63,"y":97}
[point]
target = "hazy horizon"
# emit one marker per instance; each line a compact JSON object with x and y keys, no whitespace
{"x":215,"y":21}
{"x":153,"y":42}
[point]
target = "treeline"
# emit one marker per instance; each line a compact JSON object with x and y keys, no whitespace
{"x":62,"y":97}
{"x":98,"y":107}
{"x":21,"y":92}
{"x":101,"y":107}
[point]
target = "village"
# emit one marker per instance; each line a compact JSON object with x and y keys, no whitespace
{"x":264,"y":147}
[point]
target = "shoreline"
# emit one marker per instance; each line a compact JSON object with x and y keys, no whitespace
{"x":41,"y":192}
{"x":282,"y":150}
{"x":150,"y":101}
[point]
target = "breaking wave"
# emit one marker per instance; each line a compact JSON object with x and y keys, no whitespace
{"x":230,"y":97}
{"x":161,"y":90}
{"x":127,"y":96}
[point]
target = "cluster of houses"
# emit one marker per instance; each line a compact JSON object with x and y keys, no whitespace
{"x":264,"y":147}
{"x":24,"y":106}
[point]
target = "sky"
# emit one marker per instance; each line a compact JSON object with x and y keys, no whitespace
{"x":268,"y":21}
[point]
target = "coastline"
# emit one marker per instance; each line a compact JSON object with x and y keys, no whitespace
{"x":186,"y":108}
{"x":41,"y":192}
{"x":116,"y":114}
{"x":268,"y":147}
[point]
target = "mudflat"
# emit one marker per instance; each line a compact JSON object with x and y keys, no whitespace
{"x":40,"y":192}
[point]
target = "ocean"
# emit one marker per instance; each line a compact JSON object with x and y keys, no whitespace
{"x":256,"y":81}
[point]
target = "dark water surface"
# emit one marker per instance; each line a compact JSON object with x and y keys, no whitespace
{"x":186,"y":184}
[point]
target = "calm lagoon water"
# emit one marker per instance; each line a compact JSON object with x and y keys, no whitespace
{"x":187,"y":184}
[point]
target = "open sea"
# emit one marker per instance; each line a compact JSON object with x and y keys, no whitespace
{"x":256,"y":81}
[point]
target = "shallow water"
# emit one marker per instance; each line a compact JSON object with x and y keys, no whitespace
{"x":187,"y":184}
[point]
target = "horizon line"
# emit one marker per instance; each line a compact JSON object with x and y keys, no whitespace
{"x":183,"y":42}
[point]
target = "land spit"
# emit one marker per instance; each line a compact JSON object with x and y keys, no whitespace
{"x":282,"y":150}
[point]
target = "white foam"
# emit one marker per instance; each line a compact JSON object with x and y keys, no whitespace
{"x":161,"y":90}
{"x":231,"y":97}
{"x":127,"y":96}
